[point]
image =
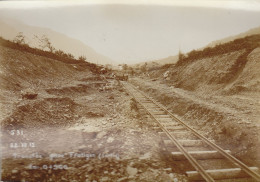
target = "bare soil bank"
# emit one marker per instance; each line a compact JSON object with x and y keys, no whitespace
{"x":79,"y":126}
{"x":62,"y":123}
{"x":215,"y":90}
{"x":230,"y":120}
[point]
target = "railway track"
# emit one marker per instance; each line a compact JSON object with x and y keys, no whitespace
{"x":209,"y":161}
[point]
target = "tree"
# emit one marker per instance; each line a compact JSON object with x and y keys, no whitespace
{"x":82,"y":58}
{"x":181,"y":56}
{"x":144,"y":67}
{"x":70,"y":56}
{"x":60,"y":53}
{"x":44,"y":42}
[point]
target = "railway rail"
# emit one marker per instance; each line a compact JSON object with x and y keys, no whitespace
{"x":192,"y":146}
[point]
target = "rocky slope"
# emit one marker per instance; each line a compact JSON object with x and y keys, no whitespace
{"x":80,"y":126}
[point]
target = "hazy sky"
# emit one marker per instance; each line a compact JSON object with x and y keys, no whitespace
{"x":131,"y":33}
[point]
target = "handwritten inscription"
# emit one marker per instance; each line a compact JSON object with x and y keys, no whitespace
{"x":27,"y":156}
{"x":16,"y":132}
{"x":52,"y":156}
{"x":47,"y":166}
{"x":22,"y":145}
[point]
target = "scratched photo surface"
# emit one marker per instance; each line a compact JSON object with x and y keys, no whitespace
{"x":118,"y":91}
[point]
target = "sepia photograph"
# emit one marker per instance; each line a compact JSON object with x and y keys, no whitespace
{"x":130,"y":90}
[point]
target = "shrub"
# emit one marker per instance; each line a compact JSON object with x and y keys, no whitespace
{"x":248,"y":43}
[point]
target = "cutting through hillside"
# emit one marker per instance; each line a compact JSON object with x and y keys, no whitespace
{"x":65,"y":119}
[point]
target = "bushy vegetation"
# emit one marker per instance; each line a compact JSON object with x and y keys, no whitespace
{"x":166,"y":66}
{"x":20,"y":44}
{"x":248,"y":43}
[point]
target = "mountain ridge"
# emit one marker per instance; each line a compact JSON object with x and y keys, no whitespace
{"x":174,"y":59}
{"x":252,"y":31}
{"x":59,"y":40}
